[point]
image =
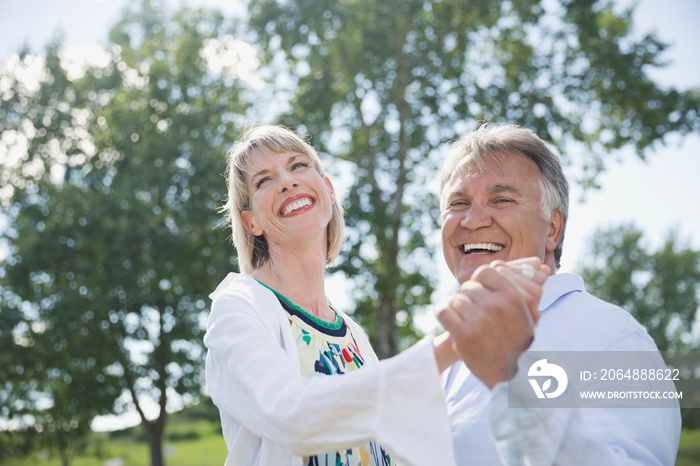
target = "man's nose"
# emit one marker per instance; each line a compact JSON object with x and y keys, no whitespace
{"x":476,"y":216}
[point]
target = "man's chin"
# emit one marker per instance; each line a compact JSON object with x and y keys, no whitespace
{"x":465,"y":272}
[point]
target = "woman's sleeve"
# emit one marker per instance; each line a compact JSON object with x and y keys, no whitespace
{"x":398,"y":402}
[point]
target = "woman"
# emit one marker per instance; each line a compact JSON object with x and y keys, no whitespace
{"x":273,"y":338}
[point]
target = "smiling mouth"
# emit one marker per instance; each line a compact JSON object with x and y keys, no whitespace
{"x":296,"y":205}
{"x":481,"y":248}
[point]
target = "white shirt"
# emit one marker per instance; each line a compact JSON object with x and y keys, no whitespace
{"x":487,"y":432}
{"x":254,"y":379}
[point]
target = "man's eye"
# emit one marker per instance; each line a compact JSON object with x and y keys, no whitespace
{"x":503,"y":200}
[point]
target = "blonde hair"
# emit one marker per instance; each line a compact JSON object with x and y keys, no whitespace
{"x":268,"y":140}
{"x":501,"y":141}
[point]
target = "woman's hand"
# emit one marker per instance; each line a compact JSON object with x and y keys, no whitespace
{"x":495,"y":313}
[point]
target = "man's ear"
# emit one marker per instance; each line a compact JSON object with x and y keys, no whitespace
{"x":331,"y":190}
{"x":555,"y":226}
{"x":249,"y":223}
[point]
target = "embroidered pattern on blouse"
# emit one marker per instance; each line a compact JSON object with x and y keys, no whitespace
{"x":328,"y":348}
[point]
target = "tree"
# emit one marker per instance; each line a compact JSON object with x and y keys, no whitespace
{"x":384,"y":84}
{"x":111,"y":203}
{"x":659,"y":288}
{"x":51,"y":386}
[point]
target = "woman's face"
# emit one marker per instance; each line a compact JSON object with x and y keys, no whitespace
{"x":290,"y":201}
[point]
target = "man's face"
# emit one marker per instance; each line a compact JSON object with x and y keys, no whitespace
{"x":495,"y":214}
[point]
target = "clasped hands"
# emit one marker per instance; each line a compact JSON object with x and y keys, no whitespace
{"x":494,"y":313}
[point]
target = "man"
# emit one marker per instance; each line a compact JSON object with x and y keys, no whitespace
{"x":503,"y":197}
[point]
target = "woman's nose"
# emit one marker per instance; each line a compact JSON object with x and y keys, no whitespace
{"x":287,"y":182}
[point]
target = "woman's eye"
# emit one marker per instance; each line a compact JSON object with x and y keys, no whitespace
{"x":300,"y":165}
{"x":261,"y":181}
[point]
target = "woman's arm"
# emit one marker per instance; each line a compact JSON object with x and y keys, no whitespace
{"x":398,"y":402}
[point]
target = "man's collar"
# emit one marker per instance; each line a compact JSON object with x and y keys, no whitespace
{"x":557,"y":286}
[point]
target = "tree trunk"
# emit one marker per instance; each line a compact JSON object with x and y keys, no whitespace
{"x":387,"y":336}
{"x":154,"y":436}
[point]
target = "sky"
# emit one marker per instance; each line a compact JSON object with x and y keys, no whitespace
{"x":657,"y":196}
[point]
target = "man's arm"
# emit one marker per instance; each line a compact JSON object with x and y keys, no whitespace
{"x":583,"y":436}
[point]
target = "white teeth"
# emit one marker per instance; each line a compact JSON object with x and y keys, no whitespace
{"x":485,"y":246}
{"x":296,"y":205}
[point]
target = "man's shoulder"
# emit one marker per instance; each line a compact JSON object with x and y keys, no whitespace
{"x":558,"y":286}
{"x":567,"y":290}
{"x":576,"y":319}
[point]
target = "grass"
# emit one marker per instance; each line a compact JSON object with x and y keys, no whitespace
{"x":207,"y":448}
{"x":192,"y":438}
{"x":689,"y":449}
{"x":204,"y":451}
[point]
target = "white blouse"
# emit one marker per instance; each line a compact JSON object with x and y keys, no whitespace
{"x":253,"y":377}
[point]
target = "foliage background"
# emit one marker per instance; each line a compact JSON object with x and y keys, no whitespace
{"x":148,"y":196}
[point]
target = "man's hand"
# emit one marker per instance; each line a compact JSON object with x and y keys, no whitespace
{"x":495,"y":313}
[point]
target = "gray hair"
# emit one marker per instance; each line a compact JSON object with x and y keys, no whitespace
{"x":495,"y":141}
